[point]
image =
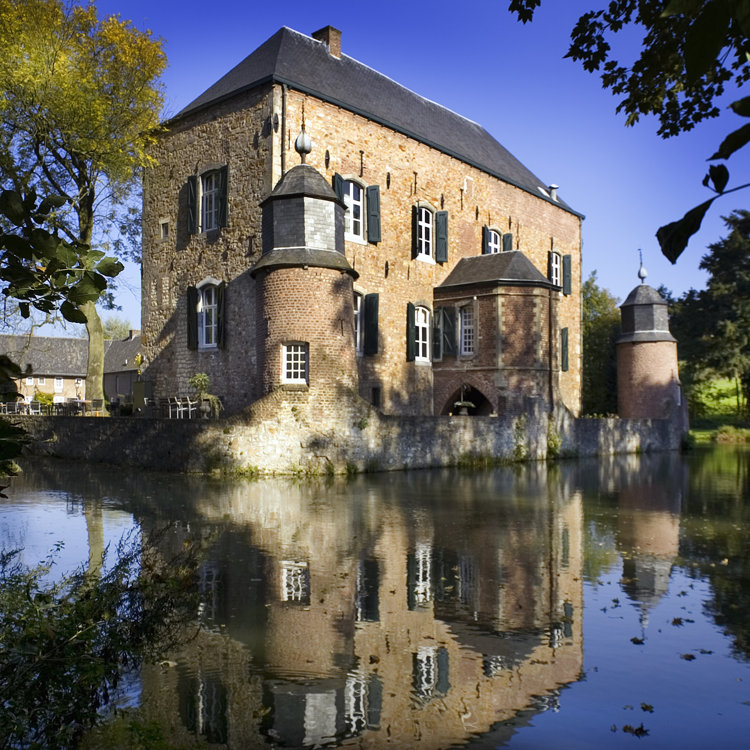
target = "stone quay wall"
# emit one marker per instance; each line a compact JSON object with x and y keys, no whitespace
{"x":281,"y":436}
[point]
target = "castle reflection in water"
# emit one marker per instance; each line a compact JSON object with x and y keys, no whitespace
{"x":422,"y":609}
{"x":405,"y":609}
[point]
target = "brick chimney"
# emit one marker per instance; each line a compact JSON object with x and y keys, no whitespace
{"x":331,"y":38}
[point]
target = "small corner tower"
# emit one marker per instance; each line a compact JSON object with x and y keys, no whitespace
{"x":305,"y":296}
{"x":648,"y":384}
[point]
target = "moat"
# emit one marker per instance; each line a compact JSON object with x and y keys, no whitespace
{"x":589,"y":603}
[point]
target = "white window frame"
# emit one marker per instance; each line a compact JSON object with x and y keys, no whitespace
{"x":59,"y":384}
{"x":425,"y":233}
{"x":208,"y":310}
{"x":210,"y":187}
{"x":41,"y":380}
{"x":494,"y":241}
{"x":354,"y":217}
{"x":30,"y":381}
{"x":467,"y":331}
{"x":295,"y":363}
{"x":422,"y":338}
{"x":555,"y":269}
{"x":359,"y":322}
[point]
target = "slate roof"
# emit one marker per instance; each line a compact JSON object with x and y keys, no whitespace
{"x":65,"y":357}
{"x":303,"y":180}
{"x":119,"y":355}
{"x":500,"y":269}
{"x":304,"y":64}
{"x":644,"y":294}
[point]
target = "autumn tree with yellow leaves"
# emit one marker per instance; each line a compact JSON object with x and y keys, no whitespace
{"x":80,"y":100}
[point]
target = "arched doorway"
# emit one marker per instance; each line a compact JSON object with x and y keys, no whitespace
{"x":467,"y":400}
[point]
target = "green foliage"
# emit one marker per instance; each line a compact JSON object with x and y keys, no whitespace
{"x":692,"y":50}
{"x":730,"y":434}
{"x":67,"y":643}
{"x":41,"y":269}
{"x":79,"y":105}
{"x":200,"y":383}
{"x":601,"y":327}
{"x":520,"y":439}
{"x":713,"y":325}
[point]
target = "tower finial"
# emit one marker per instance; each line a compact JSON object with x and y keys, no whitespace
{"x":642,"y":273}
{"x":303,"y":144}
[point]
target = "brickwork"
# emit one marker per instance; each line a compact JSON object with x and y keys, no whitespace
{"x":241,"y":133}
{"x":647,"y":379}
{"x":313,"y":306}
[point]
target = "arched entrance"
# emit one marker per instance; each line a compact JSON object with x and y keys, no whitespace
{"x":467,"y":400}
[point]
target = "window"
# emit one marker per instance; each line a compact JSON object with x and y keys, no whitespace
{"x":41,"y":380}
{"x":205,"y":310}
{"x":417,"y":333}
{"x":30,"y":381}
{"x":554,"y":269}
{"x":294,"y":363}
{"x":422,"y":334}
{"x":491,"y":241}
{"x":164,"y":229}
{"x":353,"y":220}
{"x":207,"y":316}
{"x":207,"y":200}
{"x":424,"y":232}
{"x":468,"y":330}
{"x":362,"y":217}
{"x":58,"y":385}
{"x":366,"y":323}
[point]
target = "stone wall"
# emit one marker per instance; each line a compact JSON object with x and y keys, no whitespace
{"x":242,"y":134}
{"x":285,"y":434}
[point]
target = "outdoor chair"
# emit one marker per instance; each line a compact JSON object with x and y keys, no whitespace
{"x":175,"y":407}
{"x":35,"y":407}
{"x":190,"y":405}
{"x":97,"y":406}
{"x":12,"y":407}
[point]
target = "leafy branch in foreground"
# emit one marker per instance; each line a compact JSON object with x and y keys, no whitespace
{"x":67,"y":644}
{"x":692,"y":51}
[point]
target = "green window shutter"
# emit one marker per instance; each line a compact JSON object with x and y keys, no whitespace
{"x":192,"y":317}
{"x":414,"y":232}
{"x":372,"y":194}
{"x":223,"y":195}
{"x":485,"y":240}
{"x":564,"y":361}
{"x":411,"y":333}
{"x":441,"y":236}
{"x":507,"y":242}
{"x":371,"y":324}
{"x":437,"y":335}
{"x":449,"y":331}
{"x":339,"y":186}
{"x":443,"y":684}
{"x":549,"y":265}
{"x":567,"y":274}
{"x":192,"y":191}
{"x":221,"y":301}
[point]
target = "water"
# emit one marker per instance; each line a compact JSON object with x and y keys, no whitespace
{"x":586,"y":604}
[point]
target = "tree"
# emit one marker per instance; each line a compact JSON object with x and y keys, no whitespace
{"x":67,"y":643}
{"x":712,"y":326}
{"x":114,"y":327}
{"x":601,"y":327}
{"x":79,"y":103}
{"x":692,"y":50}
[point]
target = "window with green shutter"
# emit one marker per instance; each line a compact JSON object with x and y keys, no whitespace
{"x":441,"y":236}
{"x":411,"y":346}
{"x":373,"y":213}
{"x":370,"y":346}
{"x":507,"y":242}
{"x":564,"y":360}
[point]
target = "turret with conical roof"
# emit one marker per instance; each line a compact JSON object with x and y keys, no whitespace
{"x":648,"y":384}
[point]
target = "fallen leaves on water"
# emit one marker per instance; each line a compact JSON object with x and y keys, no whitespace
{"x":687,"y":657}
{"x":647,"y":707}
{"x":639,"y":731}
{"x":637,"y":641}
{"x":677,"y":622}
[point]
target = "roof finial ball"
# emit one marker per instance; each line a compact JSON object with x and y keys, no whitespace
{"x":303,"y":144}
{"x":641,"y":271}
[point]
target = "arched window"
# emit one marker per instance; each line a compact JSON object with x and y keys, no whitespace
{"x":422,"y":334}
{"x":493,"y":241}
{"x":207,"y":316}
{"x":205,"y":309}
{"x":425,"y":226}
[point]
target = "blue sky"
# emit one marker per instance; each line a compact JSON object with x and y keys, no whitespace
{"x":477,"y":60}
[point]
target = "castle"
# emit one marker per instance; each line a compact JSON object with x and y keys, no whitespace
{"x":410,"y":260}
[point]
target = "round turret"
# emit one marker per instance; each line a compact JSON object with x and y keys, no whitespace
{"x":648,"y":384}
{"x":305,"y":295}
